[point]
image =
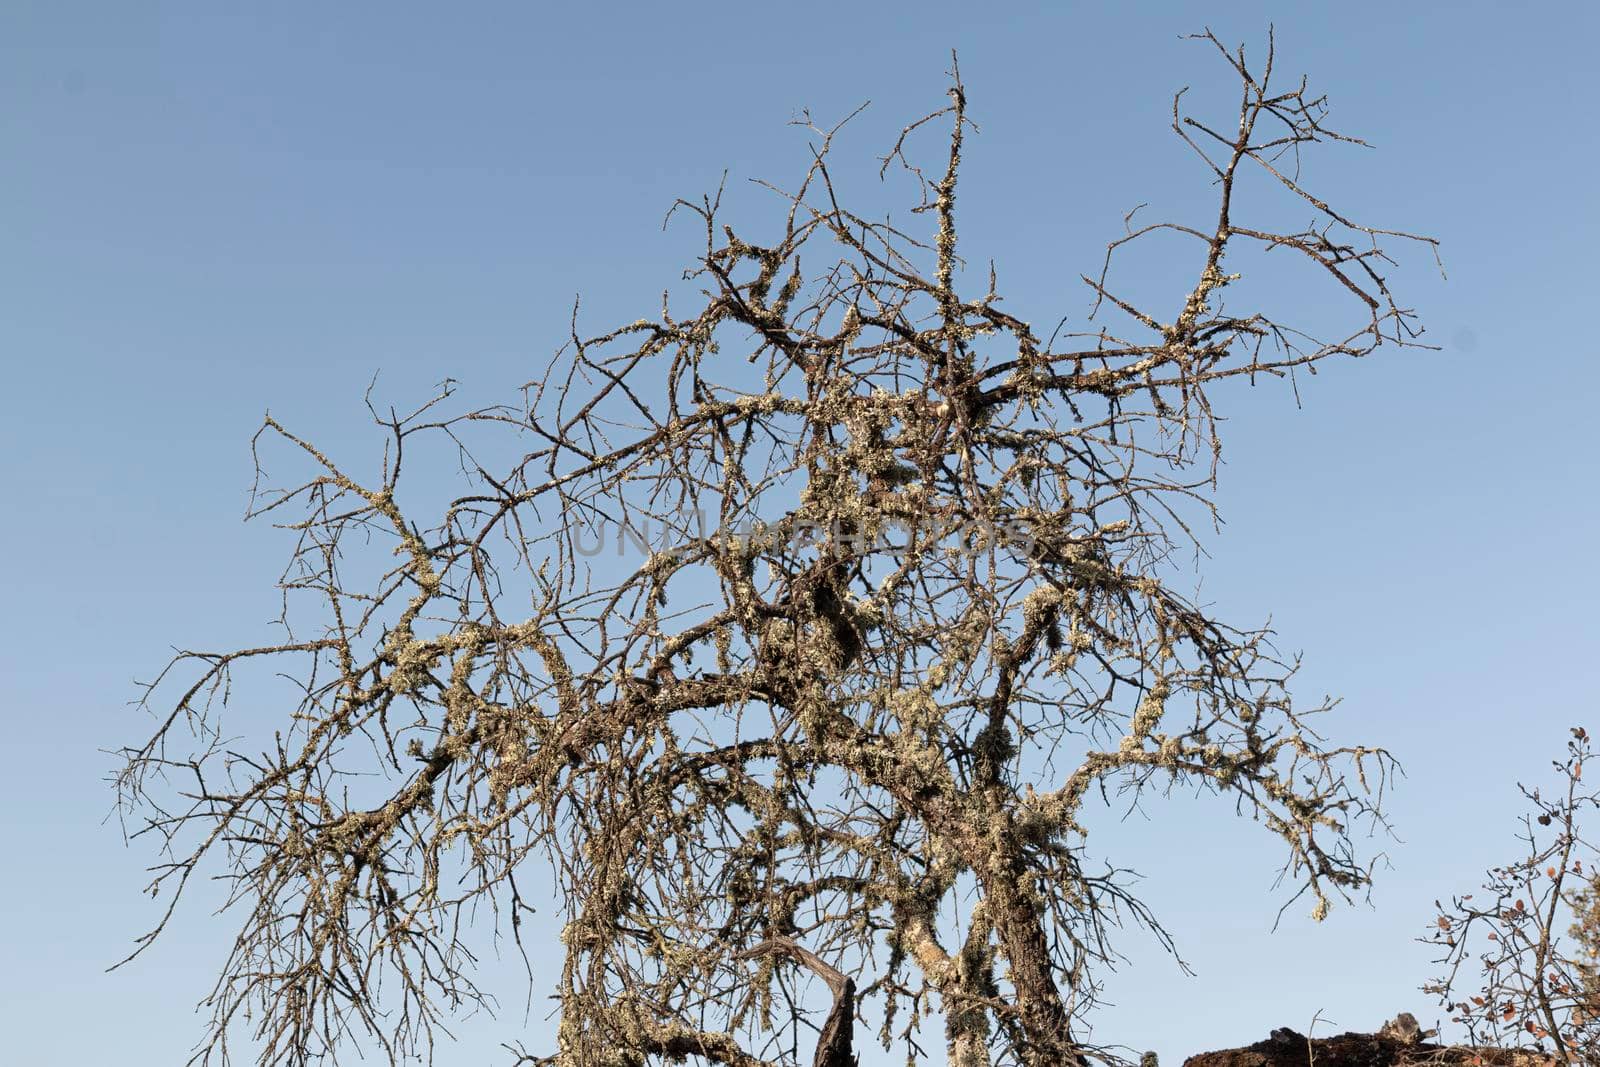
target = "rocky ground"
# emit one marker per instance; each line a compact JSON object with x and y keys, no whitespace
{"x":1285,"y":1048}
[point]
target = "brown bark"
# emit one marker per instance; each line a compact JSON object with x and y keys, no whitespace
{"x":835,"y":1044}
{"x":1017,"y":921}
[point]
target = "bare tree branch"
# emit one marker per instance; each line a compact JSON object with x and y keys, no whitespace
{"x":900,"y":611}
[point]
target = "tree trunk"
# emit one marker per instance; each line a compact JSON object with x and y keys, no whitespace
{"x":1016,"y":918}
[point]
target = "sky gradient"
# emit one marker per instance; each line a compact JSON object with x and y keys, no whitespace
{"x":212,"y":210}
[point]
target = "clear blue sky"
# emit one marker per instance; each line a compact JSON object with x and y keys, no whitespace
{"x":209,"y":210}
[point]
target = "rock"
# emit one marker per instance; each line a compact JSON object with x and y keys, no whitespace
{"x":1403,"y":1028}
{"x":1287,"y":1048}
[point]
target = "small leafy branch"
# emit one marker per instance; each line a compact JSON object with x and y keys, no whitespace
{"x":1538,"y":987}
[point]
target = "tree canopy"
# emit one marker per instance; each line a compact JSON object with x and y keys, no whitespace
{"x":907,"y":603}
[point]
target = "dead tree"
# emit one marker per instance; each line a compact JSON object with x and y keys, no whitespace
{"x":911,"y":604}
